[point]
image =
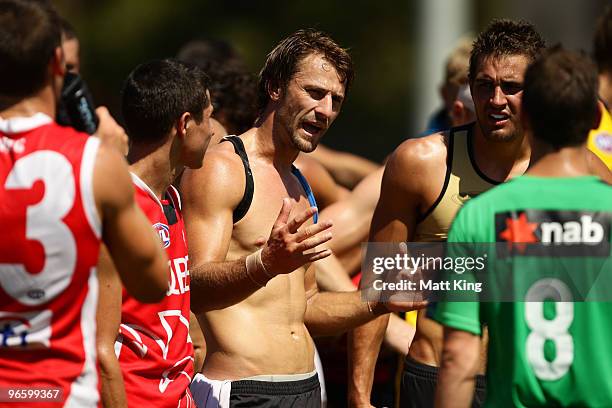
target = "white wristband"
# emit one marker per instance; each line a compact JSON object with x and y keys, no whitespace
{"x":253,"y":264}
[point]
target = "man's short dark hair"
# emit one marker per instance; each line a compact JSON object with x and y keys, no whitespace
{"x":282,"y":62}
{"x":29,"y":34}
{"x":207,"y":52}
{"x":560,"y":97}
{"x":232,"y":87}
{"x":68,"y":31}
{"x":602,"y":44}
{"x":157,"y":93}
{"x":504,"y":38}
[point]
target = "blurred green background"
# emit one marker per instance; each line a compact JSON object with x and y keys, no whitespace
{"x":385,"y":39}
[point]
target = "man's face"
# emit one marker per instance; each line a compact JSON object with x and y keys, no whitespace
{"x":497,"y":90}
{"x":197,"y":138}
{"x":71,"y":55}
{"x":311,"y":102}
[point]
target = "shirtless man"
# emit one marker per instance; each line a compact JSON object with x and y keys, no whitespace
{"x":426,"y":180}
{"x":234,"y":90}
{"x":259,"y":313}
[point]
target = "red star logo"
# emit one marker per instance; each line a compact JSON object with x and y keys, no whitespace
{"x":519,"y":231}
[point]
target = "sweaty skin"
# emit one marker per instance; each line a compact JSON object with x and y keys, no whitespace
{"x":272,"y":316}
{"x":261,"y":322}
{"x":275,"y":340}
{"x":413,"y":179}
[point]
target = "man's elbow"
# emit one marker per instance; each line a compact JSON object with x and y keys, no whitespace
{"x":107,"y":359}
{"x":460,"y":353}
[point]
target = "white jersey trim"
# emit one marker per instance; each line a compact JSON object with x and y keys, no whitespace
{"x":86,"y":179}
{"x":84,"y":389}
{"x":137,"y":339}
{"x":143,"y":186}
{"x":118,"y":345}
{"x":24,"y":124}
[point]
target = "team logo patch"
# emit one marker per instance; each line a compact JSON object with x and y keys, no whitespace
{"x":36,"y":293}
{"x":556,"y":233}
{"x":164,"y":233}
{"x":25,"y":330}
{"x":603,"y":141}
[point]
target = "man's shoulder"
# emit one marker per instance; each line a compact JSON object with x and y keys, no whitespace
{"x":222,"y":176}
{"x":421,"y":153}
{"x":67,"y":131}
{"x":53,"y":136}
{"x":222,"y":152}
{"x":220,"y":161}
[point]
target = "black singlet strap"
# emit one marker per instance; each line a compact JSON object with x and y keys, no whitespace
{"x":244,"y":205}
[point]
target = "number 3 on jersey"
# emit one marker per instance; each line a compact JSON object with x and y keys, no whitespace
{"x":44,"y":225}
{"x":555,"y":330}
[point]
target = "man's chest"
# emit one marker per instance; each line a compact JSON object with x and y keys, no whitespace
{"x":270,"y":188}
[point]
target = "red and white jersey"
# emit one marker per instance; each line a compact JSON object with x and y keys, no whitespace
{"x":48,"y":253}
{"x":154,"y":349}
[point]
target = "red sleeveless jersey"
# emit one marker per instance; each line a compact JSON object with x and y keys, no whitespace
{"x":154,"y":349}
{"x":48,"y":252}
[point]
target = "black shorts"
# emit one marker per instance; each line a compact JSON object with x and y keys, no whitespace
{"x":418,"y":387}
{"x":303,"y":393}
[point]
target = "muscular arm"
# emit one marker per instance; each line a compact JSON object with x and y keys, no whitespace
{"x":330,"y":313}
{"x":127,"y":233}
{"x":394,"y":220}
{"x":460,"y":362}
{"x":352,"y":217}
{"x":211,"y":194}
{"x":108,"y":319}
{"x":399,"y":334}
{"x":331,"y":276}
